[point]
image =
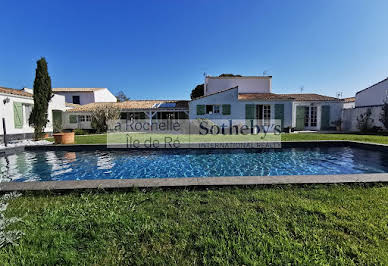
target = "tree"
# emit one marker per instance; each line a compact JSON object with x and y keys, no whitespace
{"x":121,"y":97}
{"x":384,"y":115}
{"x":198,"y":91}
{"x":42,"y":96}
{"x":104,"y":117}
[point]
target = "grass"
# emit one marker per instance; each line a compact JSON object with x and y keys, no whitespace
{"x":102,"y":139}
{"x":334,"y":224}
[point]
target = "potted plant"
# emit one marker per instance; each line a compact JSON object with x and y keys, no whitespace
{"x":337,"y":124}
{"x":62,"y":137}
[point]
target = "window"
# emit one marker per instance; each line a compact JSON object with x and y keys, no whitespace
{"x":123,"y":116}
{"x":81,"y":118}
{"x":306,"y":116}
{"x":267,"y":114}
{"x":216,"y":109}
{"x":76,"y":100}
{"x":226,"y":109}
{"x":27,"y":112}
{"x":313,"y":121}
{"x":263,"y":114}
{"x":88,"y":118}
{"x":209,"y":109}
{"x":73,"y":119}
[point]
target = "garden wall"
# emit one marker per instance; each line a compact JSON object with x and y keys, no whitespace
{"x":349,"y":117}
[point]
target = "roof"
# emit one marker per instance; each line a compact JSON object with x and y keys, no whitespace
{"x":349,"y":99}
{"x":239,"y":77}
{"x":217,"y":92}
{"x":15,"y":92}
{"x":134,"y":104}
{"x":262,"y":96}
{"x":73,"y":105}
{"x":76,"y":89}
{"x":294,"y":97}
{"x":372,"y":85}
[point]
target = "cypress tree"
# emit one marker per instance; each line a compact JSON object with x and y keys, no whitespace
{"x":42,"y":96}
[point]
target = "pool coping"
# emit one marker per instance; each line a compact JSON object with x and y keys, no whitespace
{"x":192,"y":182}
{"x":195,"y":181}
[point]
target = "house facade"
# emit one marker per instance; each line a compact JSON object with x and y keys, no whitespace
{"x":16,"y":107}
{"x":250,"y":98}
{"x":84,"y":96}
{"x":132,"y":110}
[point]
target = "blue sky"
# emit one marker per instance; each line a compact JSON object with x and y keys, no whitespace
{"x":160,"y":49}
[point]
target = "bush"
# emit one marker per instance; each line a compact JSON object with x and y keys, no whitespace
{"x":384,"y":115}
{"x":364,"y":121}
{"x":104,"y":117}
{"x":79,"y":131}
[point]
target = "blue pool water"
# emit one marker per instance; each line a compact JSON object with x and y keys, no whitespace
{"x":61,"y":165}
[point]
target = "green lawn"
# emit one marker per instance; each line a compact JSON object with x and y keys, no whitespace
{"x":336,"y":224}
{"x":102,"y":139}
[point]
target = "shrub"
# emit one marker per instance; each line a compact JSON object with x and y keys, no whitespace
{"x":384,"y":115}
{"x":79,"y":131}
{"x":365,"y":121}
{"x":104,"y":117}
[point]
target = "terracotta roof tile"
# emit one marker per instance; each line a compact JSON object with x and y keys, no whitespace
{"x":133,"y":105}
{"x":349,"y":99}
{"x":15,"y":92}
{"x":262,"y":96}
{"x":294,"y":97}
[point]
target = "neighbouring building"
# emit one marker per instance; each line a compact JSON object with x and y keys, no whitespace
{"x":250,"y":97}
{"x":349,"y":102}
{"x":369,"y":100}
{"x":16,"y":107}
{"x":150,"y":110}
{"x":84,"y":96}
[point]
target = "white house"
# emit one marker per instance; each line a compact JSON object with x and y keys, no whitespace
{"x":250,"y":98}
{"x":16,"y":107}
{"x":374,"y":95}
{"x":85,"y":95}
{"x":148,"y":110}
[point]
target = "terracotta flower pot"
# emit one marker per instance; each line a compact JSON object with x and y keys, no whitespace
{"x":64,"y":138}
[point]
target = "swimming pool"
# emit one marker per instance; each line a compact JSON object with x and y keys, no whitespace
{"x":93,"y":165}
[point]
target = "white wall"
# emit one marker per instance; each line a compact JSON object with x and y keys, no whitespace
{"x":349,"y":117}
{"x":6,"y":110}
{"x":66,"y":121}
{"x":104,"y":95}
{"x":349,"y":105}
{"x":84,"y":97}
{"x":374,"y":95}
{"x":246,"y":85}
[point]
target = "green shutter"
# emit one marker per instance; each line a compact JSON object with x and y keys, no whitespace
{"x":279,"y":114}
{"x":73,"y":119}
{"x":300,"y":117}
{"x":18,"y":114}
{"x":250,"y":111}
{"x":200,"y":109}
{"x":226,"y":109}
{"x":325,"y":117}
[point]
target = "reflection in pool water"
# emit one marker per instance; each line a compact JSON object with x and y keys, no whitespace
{"x":61,"y":165}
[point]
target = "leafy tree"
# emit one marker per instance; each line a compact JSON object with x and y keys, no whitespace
{"x":42,"y":96}
{"x":198,"y":91}
{"x":121,"y":97}
{"x":104,"y":117}
{"x":384,"y":115}
{"x":365,"y":121}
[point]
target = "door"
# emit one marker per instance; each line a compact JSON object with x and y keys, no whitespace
{"x":300,"y":117}
{"x":57,"y":120}
{"x":325,"y":117}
